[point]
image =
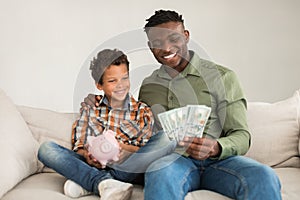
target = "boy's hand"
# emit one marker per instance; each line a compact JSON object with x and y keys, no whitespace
{"x":91,"y":101}
{"x":90,"y":159}
{"x":201,"y":148}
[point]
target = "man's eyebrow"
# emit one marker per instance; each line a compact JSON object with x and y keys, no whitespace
{"x":171,"y":35}
{"x":155,"y":40}
{"x":174,"y":34}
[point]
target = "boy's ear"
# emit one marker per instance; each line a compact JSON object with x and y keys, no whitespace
{"x":99,"y":86}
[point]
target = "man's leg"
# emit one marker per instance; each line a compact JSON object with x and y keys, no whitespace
{"x":135,"y":166}
{"x":171,"y":177}
{"x":72,"y":166}
{"x":242,"y":178}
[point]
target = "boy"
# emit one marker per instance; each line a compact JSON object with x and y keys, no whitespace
{"x":132,"y":122}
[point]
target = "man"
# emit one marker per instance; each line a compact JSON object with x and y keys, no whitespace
{"x":211,"y":162}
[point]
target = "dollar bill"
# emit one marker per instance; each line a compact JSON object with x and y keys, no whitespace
{"x":185,"y":121}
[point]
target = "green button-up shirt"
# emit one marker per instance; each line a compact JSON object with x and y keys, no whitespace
{"x":205,"y":83}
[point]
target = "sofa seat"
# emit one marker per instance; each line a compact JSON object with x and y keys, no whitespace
{"x":290,"y":185}
{"x":49,"y":186}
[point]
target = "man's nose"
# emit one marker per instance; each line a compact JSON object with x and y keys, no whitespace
{"x":166,"y":46}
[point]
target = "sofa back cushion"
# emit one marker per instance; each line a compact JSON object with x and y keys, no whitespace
{"x":275,"y":132}
{"x":18,"y":147}
{"x":47,"y":125}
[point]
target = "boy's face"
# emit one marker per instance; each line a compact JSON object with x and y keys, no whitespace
{"x":116,"y":84}
{"x":168,"y":43}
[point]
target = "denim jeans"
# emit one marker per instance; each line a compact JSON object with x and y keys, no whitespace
{"x":73,"y":166}
{"x":237,"y":177}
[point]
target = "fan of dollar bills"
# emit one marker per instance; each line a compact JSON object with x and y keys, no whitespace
{"x":185,"y":121}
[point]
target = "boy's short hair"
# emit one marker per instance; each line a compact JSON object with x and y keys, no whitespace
{"x":162,"y":16}
{"x":104,"y":59}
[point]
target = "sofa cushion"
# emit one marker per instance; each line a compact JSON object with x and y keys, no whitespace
{"x":275,"y":132}
{"x":49,"y":186}
{"x":47,"y":125}
{"x":19,"y":148}
{"x":289,"y":178}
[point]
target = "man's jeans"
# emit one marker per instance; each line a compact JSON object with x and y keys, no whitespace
{"x":237,"y":177}
{"x":73,"y":166}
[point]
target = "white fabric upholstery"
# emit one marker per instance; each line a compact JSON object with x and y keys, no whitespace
{"x":47,"y":125}
{"x":275,"y":142}
{"x":275,"y":132}
{"x":18,"y":147}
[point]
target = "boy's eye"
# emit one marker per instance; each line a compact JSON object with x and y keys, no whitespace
{"x":110,"y":81}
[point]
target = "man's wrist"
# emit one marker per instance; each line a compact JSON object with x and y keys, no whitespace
{"x":217,"y":149}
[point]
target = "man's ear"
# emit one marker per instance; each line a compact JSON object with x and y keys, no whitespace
{"x":99,"y":86}
{"x":187,"y":35}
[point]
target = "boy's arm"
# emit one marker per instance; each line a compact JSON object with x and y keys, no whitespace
{"x":83,"y":127}
{"x":79,"y":131}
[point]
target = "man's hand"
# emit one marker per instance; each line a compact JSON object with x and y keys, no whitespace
{"x":126,"y":150}
{"x":90,"y":159}
{"x":91,"y":101}
{"x":201,"y":148}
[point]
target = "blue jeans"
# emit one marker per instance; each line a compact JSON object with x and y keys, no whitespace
{"x":237,"y":177}
{"x":73,"y":166}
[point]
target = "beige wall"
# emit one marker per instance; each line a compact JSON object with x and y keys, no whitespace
{"x":45,"y":46}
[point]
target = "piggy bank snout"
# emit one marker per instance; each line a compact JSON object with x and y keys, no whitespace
{"x":104,"y":147}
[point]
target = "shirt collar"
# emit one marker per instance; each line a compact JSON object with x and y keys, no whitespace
{"x":191,"y":68}
{"x":130,"y":102}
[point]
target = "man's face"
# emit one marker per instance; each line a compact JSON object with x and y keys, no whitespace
{"x":168,"y":43}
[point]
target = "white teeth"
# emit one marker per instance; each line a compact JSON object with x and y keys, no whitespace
{"x":170,"y":56}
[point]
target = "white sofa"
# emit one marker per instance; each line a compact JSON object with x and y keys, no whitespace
{"x":275,"y":142}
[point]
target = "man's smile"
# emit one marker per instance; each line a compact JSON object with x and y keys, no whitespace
{"x":170,"y":56}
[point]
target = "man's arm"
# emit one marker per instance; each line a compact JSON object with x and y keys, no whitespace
{"x":91,"y":101}
{"x":235,"y":138}
{"x":231,"y":112}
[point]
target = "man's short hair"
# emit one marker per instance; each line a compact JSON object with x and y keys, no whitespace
{"x":162,"y":16}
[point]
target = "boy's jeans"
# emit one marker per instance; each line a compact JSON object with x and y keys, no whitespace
{"x":73,"y":166}
{"x":237,"y":177}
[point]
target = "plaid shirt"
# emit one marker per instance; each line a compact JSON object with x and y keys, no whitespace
{"x":132,"y":124}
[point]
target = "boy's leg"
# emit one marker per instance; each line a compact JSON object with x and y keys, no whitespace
{"x":240,"y":177}
{"x":72,"y":166}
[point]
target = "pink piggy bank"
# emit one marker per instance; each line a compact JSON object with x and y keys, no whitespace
{"x":104,"y":147}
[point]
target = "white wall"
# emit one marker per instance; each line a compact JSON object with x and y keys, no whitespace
{"x":45,"y":45}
